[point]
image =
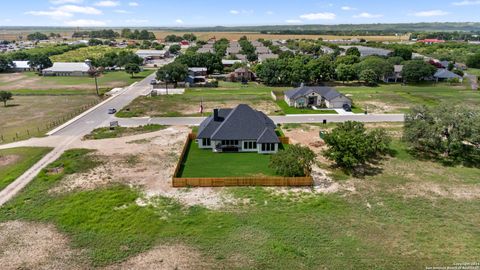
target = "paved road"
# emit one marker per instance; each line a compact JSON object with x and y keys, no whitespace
{"x":317,"y":118}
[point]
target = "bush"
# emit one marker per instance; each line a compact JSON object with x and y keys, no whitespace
{"x":294,"y":161}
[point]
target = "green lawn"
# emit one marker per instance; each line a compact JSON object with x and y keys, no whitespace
{"x":375,"y":227}
{"x":205,"y":163}
{"x":107,"y":133}
{"x":473,"y":71}
{"x":23,"y":157}
{"x":292,"y":110}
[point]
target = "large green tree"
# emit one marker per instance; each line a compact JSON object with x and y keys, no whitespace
{"x":5,"y":96}
{"x":417,"y":70}
{"x":40,"y":61}
{"x":5,"y":63}
{"x":345,"y":73}
{"x":473,"y":61}
{"x":403,"y":52}
{"x":369,"y":77}
{"x":211,"y":61}
{"x":380,"y":66}
{"x":446,"y":132}
{"x":351,"y":146}
{"x":132,"y":68}
{"x":173,"y":73}
{"x":296,"y":160}
{"x":353,"y":51}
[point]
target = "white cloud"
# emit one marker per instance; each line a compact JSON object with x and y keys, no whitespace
{"x":61,"y":2}
{"x":347,"y":8}
{"x":121,"y":11}
{"x":133,"y":4}
{"x":293,"y":21}
{"x":179,"y":21}
{"x":319,"y":16}
{"x":55,"y":14}
{"x":79,"y":9}
{"x":367,"y":15}
{"x":243,"y":11}
{"x":107,"y":4}
{"x":430,"y":13}
{"x":235,"y":12}
{"x":270,"y":12}
{"x":466,"y":3}
{"x":85,"y":23}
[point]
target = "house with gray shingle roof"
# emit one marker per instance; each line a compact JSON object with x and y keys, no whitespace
{"x":443,"y":74}
{"x":318,"y":96}
{"x":241,"y":129}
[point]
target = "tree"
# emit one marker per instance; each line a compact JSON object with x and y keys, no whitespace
{"x":132,"y":68}
{"x":189,"y":37}
{"x":127,"y":57}
{"x":95,"y":42}
{"x":211,"y":61}
{"x":347,"y":60}
{"x":345,"y":72}
{"x":5,"y":63}
{"x":369,"y":77}
{"x":353,"y":51}
{"x":5,"y":96}
{"x":447,"y":133}
{"x":417,"y":70}
{"x":351,"y":146}
{"x":174,"y":49}
{"x":173,"y":73}
{"x":94,"y":73}
{"x":403,"y":52}
{"x":294,"y":161}
{"x":37,"y":36}
{"x":473,"y":61}
{"x":40,"y":61}
{"x":381,"y":67}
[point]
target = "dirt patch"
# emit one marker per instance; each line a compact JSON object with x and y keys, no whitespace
{"x":166,"y":257}
{"x":380,"y":107}
{"x":25,"y":245}
{"x":148,"y":165}
{"x":434,"y":191}
{"x":8,"y":159}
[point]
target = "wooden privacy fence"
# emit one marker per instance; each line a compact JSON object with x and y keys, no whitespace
{"x":234,"y":181}
{"x":242,"y":181}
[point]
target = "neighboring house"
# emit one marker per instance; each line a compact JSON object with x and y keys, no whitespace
{"x":257,"y":43}
{"x":396,"y":75}
{"x":368,"y":51}
{"x":21,"y":66}
{"x":242,"y":57}
{"x":206,"y":50}
{"x":197,"y":75}
{"x":153,"y":54}
{"x":229,"y":63}
{"x":233,"y":50}
{"x":443,"y":74}
{"x":69,"y":69}
{"x":318,"y":96}
{"x":241,"y":129}
{"x":444,"y":64}
{"x":263,"y":57}
{"x":461,"y":66}
{"x":262,"y":50}
{"x":242,"y":74}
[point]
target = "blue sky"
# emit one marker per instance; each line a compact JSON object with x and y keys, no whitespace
{"x":81,"y":13}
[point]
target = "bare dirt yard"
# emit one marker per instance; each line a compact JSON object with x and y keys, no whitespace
{"x":8,"y":160}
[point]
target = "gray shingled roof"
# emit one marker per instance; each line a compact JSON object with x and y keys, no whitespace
{"x":241,"y":123}
{"x":327,"y":92}
{"x":446,"y":74}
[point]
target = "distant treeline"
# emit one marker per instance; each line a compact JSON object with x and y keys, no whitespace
{"x":447,"y":35}
{"x":332,"y":32}
{"x":111,"y":34}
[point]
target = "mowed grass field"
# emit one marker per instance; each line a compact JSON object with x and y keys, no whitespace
{"x":15,"y":161}
{"x":389,"y":220}
{"x":227,"y":95}
{"x":395,"y":98}
{"x":30,"y":116}
{"x":256,"y":35}
{"x":30,"y":81}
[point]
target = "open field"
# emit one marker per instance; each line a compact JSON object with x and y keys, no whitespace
{"x":409,"y":214}
{"x":30,"y":81}
{"x":82,"y":54}
{"x":395,"y":98}
{"x":34,"y":115}
{"x":232,"y":164}
{"x":14,"y":162}
{"x":227,"y":95}
{"x":256,"y":35}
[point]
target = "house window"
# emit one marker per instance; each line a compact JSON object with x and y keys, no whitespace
{"x":206,"y":142}
{"x":229,"y":142}
{"x":249,"y":145}
{"x":268,"y":147}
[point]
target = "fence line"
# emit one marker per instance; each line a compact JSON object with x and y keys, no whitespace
{"x":233,"y":181}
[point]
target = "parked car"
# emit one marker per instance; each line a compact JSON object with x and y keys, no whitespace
{"x":112,"y":111}
{"x":347,"y":107}
{"x":153,"y":82}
